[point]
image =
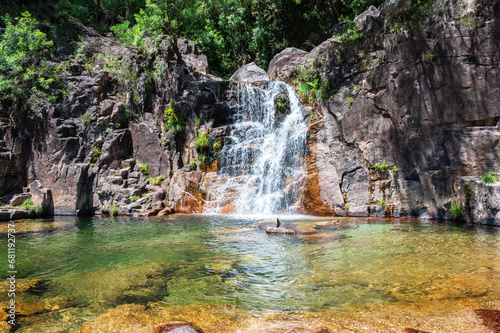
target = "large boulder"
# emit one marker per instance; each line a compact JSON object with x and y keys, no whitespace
{"x":363,"y":19}
{"x":283,"y":59}
{"x":250,"y":73}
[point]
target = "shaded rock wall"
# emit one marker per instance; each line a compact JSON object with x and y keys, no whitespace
{"x":428,"y":103}
{"x":102,"y":146}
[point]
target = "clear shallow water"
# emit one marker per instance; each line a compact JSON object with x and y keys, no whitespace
{"x":216,"y":259}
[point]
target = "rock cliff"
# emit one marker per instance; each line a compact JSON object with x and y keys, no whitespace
{"x":416,"y":88}
{"x":104,"y":145}
{"x":406,"y":115}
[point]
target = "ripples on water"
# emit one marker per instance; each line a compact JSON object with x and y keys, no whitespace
{"x":200,"y":259}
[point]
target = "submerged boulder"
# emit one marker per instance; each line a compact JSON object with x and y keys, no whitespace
{"x":273,"y":230}
{"x":250,"y":73}
{"x":271,"y":222}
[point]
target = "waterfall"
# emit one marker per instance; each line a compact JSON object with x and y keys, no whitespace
{"x":262,"y":163}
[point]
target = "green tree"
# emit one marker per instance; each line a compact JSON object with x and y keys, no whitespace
{"x":24,"y":73}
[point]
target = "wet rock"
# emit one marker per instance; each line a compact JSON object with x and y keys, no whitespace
{"x":321,"y":237}
{"x":166,"y":211}
{"x":280,"y":230}
{"x":177,"y":327}
{"x":46,"y":305}
{"x":19,"y":214}
{"x":270,"y":222}
{"x":33,"y":286}
{"x":304,"y":230}
{"x":330,"y":225}
{"x":490,"y":318}
{"x":250,"y":73}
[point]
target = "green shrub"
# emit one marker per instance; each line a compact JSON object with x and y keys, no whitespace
{"x":304,"y":91}
{"x":489,"y":177}
{"x":217,"y":146}
{"x":201,"y":141}
{"x":381,"y":203}
{"x":456,"y":212}
{"x":350,"y":100}
{"x":96,"y":153}
{"x":171,"y":120}
{"x":113,"y":211}
{"x":28,"y":205}
{"x":347,"y":207}
{"x":381,"y":166}
{"x":156,"y":181}
{"x":469,"y":21}
{"x":193,"y":165}
{"x":201,"y":158}
{"x":150,"y":20}
{"x":431,"y":56}
{"x":134,"y":198}
{"x":395,"y":170}
{"x":23,"y":72}
{"x":198,"y":122}
{"x":87,"y":119}
{"x":144,"y":169}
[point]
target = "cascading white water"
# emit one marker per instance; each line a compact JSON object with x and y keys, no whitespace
{"x":261,"y":167}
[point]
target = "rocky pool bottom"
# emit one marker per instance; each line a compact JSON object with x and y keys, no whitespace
{"x":355,"y":275}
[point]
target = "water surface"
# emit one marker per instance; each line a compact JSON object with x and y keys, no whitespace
{"x":215,"y":259}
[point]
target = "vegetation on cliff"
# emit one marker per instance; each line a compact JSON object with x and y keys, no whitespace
{"x":229,"y":32}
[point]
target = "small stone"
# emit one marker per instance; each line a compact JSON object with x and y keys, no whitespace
{"x":117,"y":180}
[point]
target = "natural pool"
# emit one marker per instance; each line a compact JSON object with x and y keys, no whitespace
{"x":95,"y":264}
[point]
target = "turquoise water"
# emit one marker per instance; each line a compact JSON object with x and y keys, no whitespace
{"x":200,"y":259}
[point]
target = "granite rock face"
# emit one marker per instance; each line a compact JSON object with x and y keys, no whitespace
{"x":103,"y":147}
{"x":425,"y":102}
{"x":250,"y":73}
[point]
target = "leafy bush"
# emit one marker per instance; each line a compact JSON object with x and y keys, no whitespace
{"x":193,"y":165}
{"x":217,"y":146}
{"x":96,"y":153}
{"x":171,"y":120}
{"x":381,"y":203}
{"x":381,"y":166}
{"x":201,"y":141}
{"x":144,"y":169}
{"x":150,"y":20}
{"x":156,"y":181}
{"x":23,"y":72}
{"x":456,"y":212}
{"x":201,"y":158}
{"x":28,"y":205}
{"x":489,"y":177}
{"x":134,"y":198}
{"x":113,"y":211}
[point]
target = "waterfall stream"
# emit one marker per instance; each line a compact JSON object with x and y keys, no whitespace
{"x":261,"y":166}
